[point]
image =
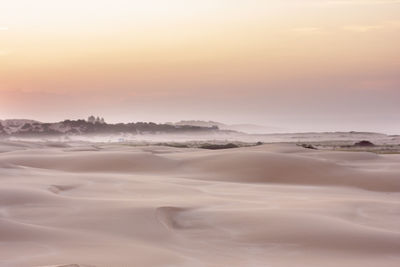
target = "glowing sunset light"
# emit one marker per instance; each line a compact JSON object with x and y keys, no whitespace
{"x":256,"y":61}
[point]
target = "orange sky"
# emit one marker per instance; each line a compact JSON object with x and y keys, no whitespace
{"x":269,"y":62}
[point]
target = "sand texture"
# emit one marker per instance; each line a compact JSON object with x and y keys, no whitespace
{"x":277,"y":205}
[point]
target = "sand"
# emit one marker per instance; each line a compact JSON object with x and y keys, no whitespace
{"x":271,"y":205}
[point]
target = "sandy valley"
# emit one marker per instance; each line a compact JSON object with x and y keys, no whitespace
{"x":277,"y":205}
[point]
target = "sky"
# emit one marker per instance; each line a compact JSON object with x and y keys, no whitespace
{"x":300,"y":65}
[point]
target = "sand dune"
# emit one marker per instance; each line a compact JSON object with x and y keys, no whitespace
{"x":109,"y":161}
{"x":271,"y":205}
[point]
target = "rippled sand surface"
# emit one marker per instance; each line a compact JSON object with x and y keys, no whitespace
{"x":271,"y":205}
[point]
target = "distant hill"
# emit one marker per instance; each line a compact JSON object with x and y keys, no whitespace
{"x":20,"y":127}
{"x":246,"y":128}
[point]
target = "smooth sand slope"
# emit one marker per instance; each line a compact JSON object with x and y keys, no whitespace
{"x":272,"y":205}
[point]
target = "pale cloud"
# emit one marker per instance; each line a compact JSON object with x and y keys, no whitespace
{"x":307,"y":30}
{"x":393,"y":23}
{"x":364,"y":2}
{"x":354,"y":2}
{"x":3,"y":28}
{"x":362,"y":28}
{"x":388,"y":25}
